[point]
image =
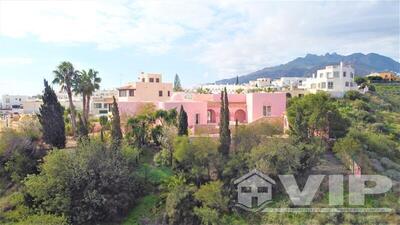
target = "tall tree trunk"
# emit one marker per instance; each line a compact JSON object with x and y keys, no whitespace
{"x":72,"y":111}
{"x":84,"y":107}
{"x":87,"y":107}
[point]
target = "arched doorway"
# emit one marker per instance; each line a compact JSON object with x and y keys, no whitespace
{"x":240,"y":116}
{"x":211,"y":116}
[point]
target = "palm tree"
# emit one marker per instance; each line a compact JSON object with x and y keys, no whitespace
{"x":93,"y":84}
{"x":86,"y":83}
{"x":65,"y":75}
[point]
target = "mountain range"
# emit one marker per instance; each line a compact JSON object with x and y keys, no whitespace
{"x":305,"y":66}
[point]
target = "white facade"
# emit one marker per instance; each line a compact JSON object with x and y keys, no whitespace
{"x":101,"y":102}
{"x":13,"y":101}
{"x":334,"y":79}
{"x":230,"y":88}
{"x":290,"y":83}
{"x":32,"y":105}
{"x":260,"y":82}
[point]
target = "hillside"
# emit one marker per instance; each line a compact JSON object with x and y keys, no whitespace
{"x":305,"y":66}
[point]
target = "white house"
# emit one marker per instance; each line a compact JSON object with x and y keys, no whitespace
{"x":290,"y":83}
{"x":101,"y":102}
{"x":230,"y":88}
{"x":12,"y":101}
{"x":260,"y":82}
{"x":32,"y":105}
{"x":334,"y":79}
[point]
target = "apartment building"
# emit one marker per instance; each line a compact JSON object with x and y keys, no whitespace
{"x":334,"y":79}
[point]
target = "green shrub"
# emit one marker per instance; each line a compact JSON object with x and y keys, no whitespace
{"x":19,"y":156}
{"x":131,"y":154}
{"x":352,"y":95}
{"x":88,"y":185}
{"x":162,"y":158}
{"x":43,"y":219}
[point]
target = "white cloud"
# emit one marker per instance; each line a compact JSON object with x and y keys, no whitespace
{"x":7,"y":61}
{"x":276,"y":33}
{"x":228,"y":37}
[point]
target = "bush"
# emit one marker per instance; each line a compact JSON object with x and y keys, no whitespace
{"x":19,"y":156}
{"x":361,"y":105}
{"x":352,"y":95}
{"x":88,"y":185}
{"x":360,"y":80}
{"x":43,"y":219}
{"x":279,"y":158}
{"x":131,"y":154}
{"x":162,"y":158}
{"x":30,"y":127}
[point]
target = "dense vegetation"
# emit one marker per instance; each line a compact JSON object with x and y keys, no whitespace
{"x":156,"y":172}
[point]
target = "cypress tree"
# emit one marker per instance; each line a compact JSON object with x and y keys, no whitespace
{"x":116,"y":133}
{"x":237,"y":80}
{"x":224,"y":132}
{"x":177,"y":83}
{"x":183,"y":123}
{"x":51,"y":117}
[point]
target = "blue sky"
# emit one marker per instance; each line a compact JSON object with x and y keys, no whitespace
{"x":202,"y":41}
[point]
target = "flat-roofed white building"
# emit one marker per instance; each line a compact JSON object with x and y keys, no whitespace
{"x":290,"y":83}
{"x":334,"y":79}
{"x":10,"y":102}
{"x":101,"y":102}
{"x":260,"y":82}
{"x":230,"y":88}
{"x":32,"y":105}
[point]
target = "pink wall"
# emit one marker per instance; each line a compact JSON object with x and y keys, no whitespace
{"x":130,"y":108}
{"x":191,"y":107}
{"x":256,"y":101}
{"x":252,"y":105}
{"x":217,"y":97}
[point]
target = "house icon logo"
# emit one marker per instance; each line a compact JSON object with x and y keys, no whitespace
{"x":254,"y":190}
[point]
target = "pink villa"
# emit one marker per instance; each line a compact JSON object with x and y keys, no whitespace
{"x":202,"y":109}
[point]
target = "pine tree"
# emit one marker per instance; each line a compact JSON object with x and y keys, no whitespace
{"x":183,"y":123}
{"x":116,"y":133}
{"x":51,"y":118}
{"x":224,"y":132}
{"x":177,"y":83}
